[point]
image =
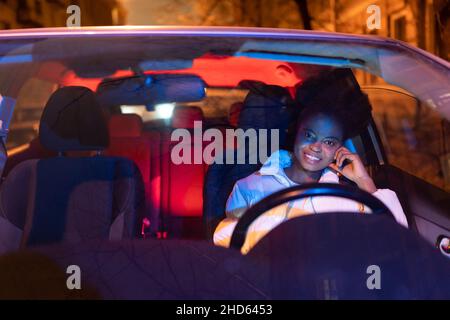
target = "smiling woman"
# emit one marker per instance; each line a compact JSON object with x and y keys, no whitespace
{"x":334,"y":110}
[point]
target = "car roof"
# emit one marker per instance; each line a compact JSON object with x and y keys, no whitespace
{"x":185,"y":30}
{"x":398,"y":63}
{"x":272,"y":33}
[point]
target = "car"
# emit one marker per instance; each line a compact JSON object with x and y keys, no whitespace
{"x":118,"y":193}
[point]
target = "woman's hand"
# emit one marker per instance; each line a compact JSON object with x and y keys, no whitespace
{"x":354,"y":171}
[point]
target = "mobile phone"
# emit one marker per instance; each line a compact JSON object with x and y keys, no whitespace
{"x":342,"y":178}
{"x":346,"y":162}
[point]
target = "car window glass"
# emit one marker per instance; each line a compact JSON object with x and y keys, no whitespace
{"x":30,"y":103}
{"x":415,"y":137}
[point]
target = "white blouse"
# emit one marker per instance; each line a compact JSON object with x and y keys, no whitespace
{"x":272,"y":178}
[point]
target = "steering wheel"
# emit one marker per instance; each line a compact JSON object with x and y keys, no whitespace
{"x":299,"y":192}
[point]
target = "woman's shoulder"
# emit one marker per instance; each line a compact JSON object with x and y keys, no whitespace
{"x":255,"y":177}
{"x":254,"y":180}
{"x":257,"y":186}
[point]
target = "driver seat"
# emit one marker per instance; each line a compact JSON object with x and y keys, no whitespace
{"x":75,"y":196}
{"x":265,"y":107}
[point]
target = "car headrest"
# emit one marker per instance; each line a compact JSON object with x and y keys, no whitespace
{"x":125,"y":126}
{"x":184,"y":117}
{"x":73,"y":121}
{"x":265,"y":106}
{"x":233,"y":115}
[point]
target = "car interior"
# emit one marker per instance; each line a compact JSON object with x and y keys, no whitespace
{"x":99,"y":166}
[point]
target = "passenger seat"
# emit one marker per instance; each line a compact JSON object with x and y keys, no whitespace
{"x":34,"y":150}
{"x":75,"y":196}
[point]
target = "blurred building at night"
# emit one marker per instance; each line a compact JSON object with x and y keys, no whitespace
{"x":422,"y":23}
{"x":16,"y":14}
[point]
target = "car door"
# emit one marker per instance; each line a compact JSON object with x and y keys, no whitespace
{"x":415,"y":140}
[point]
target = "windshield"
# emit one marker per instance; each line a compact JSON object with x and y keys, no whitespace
{"x":67,"y":57}
{"x":171,"y":137}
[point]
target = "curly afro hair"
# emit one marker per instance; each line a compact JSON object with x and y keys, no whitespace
{"x":335,"y":93}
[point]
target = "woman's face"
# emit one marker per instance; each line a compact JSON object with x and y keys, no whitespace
{"x":318,"y":138}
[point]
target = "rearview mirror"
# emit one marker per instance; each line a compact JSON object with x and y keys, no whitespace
{"x":150,"y":90}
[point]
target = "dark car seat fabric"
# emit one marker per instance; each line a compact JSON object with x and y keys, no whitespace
{"x":73,"y":198}
{"x":35,"y":150}
{"x":73,"y":120}
{"x":265,"y":107}
{"x":185,"y":117}
{"x":99,"y":199}
{"x":125,"y":126}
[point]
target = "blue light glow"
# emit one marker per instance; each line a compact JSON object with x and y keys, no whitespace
{"x":335,"y":62}
{"x":24,"y":58}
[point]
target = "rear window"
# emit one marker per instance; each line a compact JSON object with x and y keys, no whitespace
{"x":215,"y":106}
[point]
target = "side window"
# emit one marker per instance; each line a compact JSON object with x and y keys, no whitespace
{"x":416,"y":138}
{"x":27,"y":113}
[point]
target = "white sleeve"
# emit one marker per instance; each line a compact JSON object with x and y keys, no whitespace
{"x":224,"y":231}
{"x":389,"y":198}
{"x":237,"y":203}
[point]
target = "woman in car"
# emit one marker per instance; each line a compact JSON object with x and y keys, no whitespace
{"x":333,"y":109}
